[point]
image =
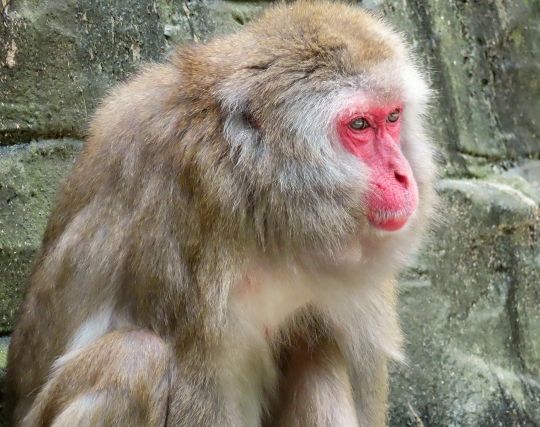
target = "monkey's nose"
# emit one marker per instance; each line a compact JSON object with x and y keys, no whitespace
{"x":402,"y":179}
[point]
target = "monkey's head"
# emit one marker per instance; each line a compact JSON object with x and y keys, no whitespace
{"x":323,"y":107}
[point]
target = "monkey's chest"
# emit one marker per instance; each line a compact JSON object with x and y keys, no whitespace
{"x":264,"y":301}
{"x":260,"y":304}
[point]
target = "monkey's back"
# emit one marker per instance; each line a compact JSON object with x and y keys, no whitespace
{"x":104,"y":226}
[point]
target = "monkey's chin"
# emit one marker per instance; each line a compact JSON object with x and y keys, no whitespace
{"x":388,"y":221}
{"x":393,"y":224}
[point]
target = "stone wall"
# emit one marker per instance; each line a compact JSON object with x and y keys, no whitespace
{"x":471,"y":303}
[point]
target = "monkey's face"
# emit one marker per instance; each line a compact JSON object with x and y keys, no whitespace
{"x":325,"y":129}
{"x":327,"y":160}
{"x":326,"y":166}
{"x":372,"y":133}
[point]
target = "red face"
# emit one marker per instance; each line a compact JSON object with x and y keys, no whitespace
{"x":372,"y":133}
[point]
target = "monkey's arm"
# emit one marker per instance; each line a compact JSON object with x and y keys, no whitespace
{"x":120,"y":379}
{"x":342,"y":379}
{"x":369,"y":338}
{"x":320,"y":388}
{"x":370,"y":391}
{"x":316,"y":390}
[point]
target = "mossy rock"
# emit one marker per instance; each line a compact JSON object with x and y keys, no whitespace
{"x":58,"y":58}
{"x":471,"y":312}
{"x":486,"y":75}
{"x":29,"y":176}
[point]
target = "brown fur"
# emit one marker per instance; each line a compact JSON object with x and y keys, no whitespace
{"x":196,"y":175}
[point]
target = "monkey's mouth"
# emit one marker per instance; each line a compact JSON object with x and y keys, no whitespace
{"x":389,"y":220}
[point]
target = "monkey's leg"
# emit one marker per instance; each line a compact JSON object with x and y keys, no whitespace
{"x":315,"y":389}
{"x":319,"y":388}
{"x":121,"y":379}
{"x":370,"y":390}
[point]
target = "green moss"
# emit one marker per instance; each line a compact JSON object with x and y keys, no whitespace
{"x":29,"y":176}
{"x":64,"y":55}
{"x":4,"y":343}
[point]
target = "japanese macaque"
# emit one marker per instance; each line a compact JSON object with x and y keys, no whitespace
{"x":223,"y":252}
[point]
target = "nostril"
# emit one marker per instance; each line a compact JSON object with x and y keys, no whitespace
{"x":402,"y":179}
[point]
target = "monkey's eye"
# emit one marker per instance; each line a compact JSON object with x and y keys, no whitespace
{"x":359,"y":124}
{"x":393,"y":116}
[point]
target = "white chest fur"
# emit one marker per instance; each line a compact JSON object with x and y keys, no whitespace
{"x":260,"y":303}
{"x":265,"y":298}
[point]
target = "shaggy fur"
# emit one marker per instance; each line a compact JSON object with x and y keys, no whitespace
{"x":209,"y":256}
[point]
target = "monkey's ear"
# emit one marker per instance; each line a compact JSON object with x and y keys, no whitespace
{"x":241,"y":125}
{"x":251,"y":121}
{"x":242,"y":130}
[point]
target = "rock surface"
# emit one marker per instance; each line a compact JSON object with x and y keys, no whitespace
{"x":471,"y":312}
{"x":470,"y":305}
{"x":486,"y":75}
{"x":57,"y":58}
{"x":29,"y":175}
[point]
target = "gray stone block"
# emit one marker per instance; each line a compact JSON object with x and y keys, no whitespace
{"x":58,"y":58}
{"x":471,"y":312}
{"x":485,"y":72}
{"x":29,"y":176}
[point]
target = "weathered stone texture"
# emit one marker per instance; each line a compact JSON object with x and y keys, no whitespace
{"x":57,"y":58}
{"x":486,"y":72}
{"x":29,"y":175}
{"x":471,"y":312}
{"x":471,"y":308}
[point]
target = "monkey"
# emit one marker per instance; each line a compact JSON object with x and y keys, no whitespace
{"x":224,"y":251}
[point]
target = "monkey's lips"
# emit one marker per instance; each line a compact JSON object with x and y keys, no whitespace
{"x":388,"y":220}
{"x":391,"y":209}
